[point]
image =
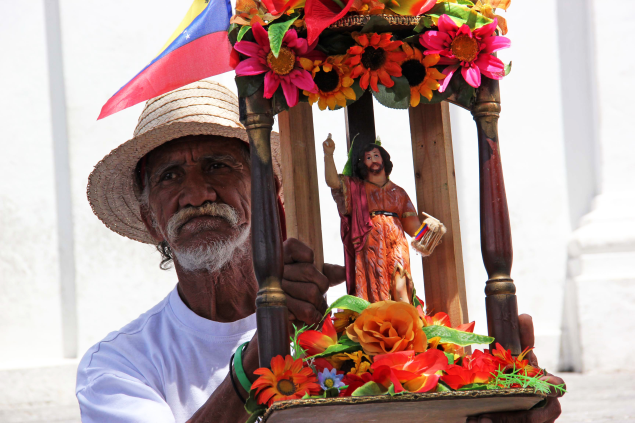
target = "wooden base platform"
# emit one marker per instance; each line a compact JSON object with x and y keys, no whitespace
{"x":446,"y":407}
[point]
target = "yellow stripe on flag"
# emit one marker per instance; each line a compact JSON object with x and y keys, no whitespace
{"x":195,"y":9}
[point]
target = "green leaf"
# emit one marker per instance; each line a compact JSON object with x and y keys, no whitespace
{"x":460,"y":14}
{"x":466,"y":3}
{"x":243,"y":30}
{"x":395,"y":97}
{"x":349,"y":302}
{"x":508,"y":68}
{"x":424,"y":22}
{"x":473,"y":387}
{"x":338,"y":348}
{"x":453,"y":336}
{"x":252,"y":406}
{"x":331,"y":393}
{"x":442,"y":387}
{"x":276,"y":34}
{"x":391,"y":391}
{"x":369,"y":389}
{"x":450,"y":357}
{"x":376,"y":24}
{"x":248,"y":85}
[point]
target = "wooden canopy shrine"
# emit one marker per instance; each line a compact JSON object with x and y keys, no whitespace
{"x":433,"y":162}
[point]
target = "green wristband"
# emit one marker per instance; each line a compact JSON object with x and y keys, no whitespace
{"x":240,"y":371}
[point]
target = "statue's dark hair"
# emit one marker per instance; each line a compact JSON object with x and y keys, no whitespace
{"x":361,"y":170}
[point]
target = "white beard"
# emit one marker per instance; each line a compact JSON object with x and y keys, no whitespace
{"x":213,"y":257}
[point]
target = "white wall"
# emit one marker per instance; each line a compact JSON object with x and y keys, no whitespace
{"x":30,"y":325}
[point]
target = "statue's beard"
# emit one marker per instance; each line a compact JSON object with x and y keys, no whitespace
{"x":210,"y":256}
{"x":376,"y":168}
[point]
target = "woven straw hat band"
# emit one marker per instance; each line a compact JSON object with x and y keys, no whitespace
{"x":201,"y":108}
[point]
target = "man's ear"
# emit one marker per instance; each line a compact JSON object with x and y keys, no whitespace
{"x":148,"y":221}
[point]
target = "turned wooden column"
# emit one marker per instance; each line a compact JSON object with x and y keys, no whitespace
{"x":496,"y":238}
{"x":266,"y":236}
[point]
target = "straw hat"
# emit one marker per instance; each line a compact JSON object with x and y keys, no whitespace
{"x":202,"y":108}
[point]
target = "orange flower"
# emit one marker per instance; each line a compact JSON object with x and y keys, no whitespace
{"x":343,"y":318}
{"x":388,"y":326}
{"x":421,"y":76}
{"x":333,"y":80}
{"x":375,"y":58}
{"x":286,"y":380}
{"x":487,"y":8}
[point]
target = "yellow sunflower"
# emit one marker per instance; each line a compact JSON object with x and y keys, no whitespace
{"x":333,"y":81}
{"x":421,"y":76}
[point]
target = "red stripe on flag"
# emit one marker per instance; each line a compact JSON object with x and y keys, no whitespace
{"x":202,"y":58}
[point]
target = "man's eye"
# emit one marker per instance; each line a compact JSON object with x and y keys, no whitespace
{"x":217,"y":166}
{"x":168,"y":176}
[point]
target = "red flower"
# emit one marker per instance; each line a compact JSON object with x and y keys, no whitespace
{"x":466,"y":49}
{"x":410,"y":372}
{"x":316,"y":342}
{"x":511,"y":363}
{"x":283,"y":70}
{"x":458,"y":376}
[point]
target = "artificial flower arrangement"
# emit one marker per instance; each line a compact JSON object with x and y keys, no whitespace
{"x":330,"y":52}
{"x":387,"y":348}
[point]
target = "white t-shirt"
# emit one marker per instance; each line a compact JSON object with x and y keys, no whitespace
{"x":160,"y":368}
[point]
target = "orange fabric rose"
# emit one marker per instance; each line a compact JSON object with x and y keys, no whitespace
{"x":387,"y":327}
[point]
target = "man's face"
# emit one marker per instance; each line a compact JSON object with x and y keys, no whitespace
{"x":373,"y":161}
{"x":199,"y":194}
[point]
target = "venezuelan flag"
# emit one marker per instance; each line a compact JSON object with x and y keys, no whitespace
{"x":422,"y":231}
{"x":199,"y":48}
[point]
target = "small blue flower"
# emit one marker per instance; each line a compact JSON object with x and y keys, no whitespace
{"x":330,"y":379}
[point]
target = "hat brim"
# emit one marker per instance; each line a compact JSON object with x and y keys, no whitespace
{"x":112,"y":190}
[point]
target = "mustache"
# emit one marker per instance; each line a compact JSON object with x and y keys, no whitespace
{"x":183,"y":216}
{"x":376,"y":168}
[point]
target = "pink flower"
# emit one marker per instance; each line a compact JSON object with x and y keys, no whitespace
{"x":284,"y":69}
{"x":467,"y":49}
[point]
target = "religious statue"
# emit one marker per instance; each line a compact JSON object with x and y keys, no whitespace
{"x":375,"y":213}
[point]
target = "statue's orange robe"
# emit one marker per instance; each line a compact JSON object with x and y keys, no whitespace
{"x":386,"y":244}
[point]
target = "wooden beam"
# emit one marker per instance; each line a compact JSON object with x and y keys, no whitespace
{"x":360,"y":119}
{"x":299,"y":178}
{"x":444,"y":277}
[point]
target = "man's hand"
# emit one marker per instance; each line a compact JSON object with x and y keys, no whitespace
{"x":305,"y":285}
{"x":546,"y":414}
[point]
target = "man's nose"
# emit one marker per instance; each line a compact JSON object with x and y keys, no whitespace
{"x":196,"y":191}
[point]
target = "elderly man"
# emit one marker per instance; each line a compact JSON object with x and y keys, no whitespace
{"x":183,"y":183}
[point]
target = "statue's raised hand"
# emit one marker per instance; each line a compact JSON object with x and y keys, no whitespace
{"x":328,"y":146}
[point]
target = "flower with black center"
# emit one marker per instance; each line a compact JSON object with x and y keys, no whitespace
{"x":287,"y":379}
{"x":333,"y":81}
{"x":375,"y":58}
{"x":470,"y":50}
{"x":422,"y":77}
